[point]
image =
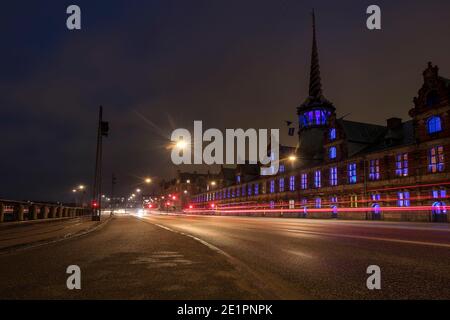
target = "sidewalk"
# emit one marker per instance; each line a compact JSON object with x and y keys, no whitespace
{"x":19,"y":235}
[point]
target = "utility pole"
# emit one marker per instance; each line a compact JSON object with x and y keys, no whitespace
{"x":103,"y":129}
{"x":113,"y":183}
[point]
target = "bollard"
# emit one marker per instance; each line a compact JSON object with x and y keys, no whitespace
{"x":44,"y":212}
{"x":19,"y":212}
{"x":32,"y":212}
{"x":52,"y":212}
{"x":2,"y":212}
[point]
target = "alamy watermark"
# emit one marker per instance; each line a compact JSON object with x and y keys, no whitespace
{"x":189,"y":150}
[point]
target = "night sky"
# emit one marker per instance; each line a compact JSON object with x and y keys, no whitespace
{"x":160,"y":65}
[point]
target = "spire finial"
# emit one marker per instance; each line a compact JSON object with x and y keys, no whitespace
{"x":315,"y":85}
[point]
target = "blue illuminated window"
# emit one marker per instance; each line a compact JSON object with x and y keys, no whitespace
{"x":272,"y":186}
{"x":317,"y":179}
{"x":238,"y":179}
{"x":238,"y":192}
{"x":281,"y":185}
{"x":352,"y":173}
{"x":314,"y":118}
{"x":282,"y":168}
{"x":304,"y":181}
{"x":292,"y":183}
{"x":244,"y":191}
{"x":403,"y":199}
{"x":333,"y":134}
{"x":401,"y":165}
{"x":332,"y":152}
{"x":333,"y":176}
{"x":249,"y":188}
{"x":434,"y":125}
{"x":318,"y":203}
{"x":256,"y":189}
{"x":375,"y":196}
{"x":374,"y":169}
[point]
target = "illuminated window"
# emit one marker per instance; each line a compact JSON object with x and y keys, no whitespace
{"x":272,"y":204}
{"x":374,"y":169}
{"x":318,"y":203}
{"x":291,"y":204}
{"x":232,"y":193}
{"x":401,"y":165}
{"x":354,"y":201}
{"x":256,"y":189}
{"x":238,"y":192}
{"x":281,"y":185}
{"x":314,"y":118}
{"x":439,"y":193}
{"x":352,"y":173}
{"x":375,"y":197}
{"x":436,"y":159}
{"x":317,"y":179}
{"x":238,"y":179}
{"x":282,"y":168}
{"x":434,"y":125}
{"x":304,"y":181}
{"x":244,"y":191}
{"x":272,"y":186}
{"x":333,"y":134}
{"x":332,"y":152}
{"x":249,"y":187}
{"x":403,"y":199}
{"x":292,"y":183}
{"x":333,"y":176}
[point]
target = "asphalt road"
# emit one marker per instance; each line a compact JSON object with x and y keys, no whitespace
{"x":202,"y":257}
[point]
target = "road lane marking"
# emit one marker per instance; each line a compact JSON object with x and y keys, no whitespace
{"x":434,"y":244}
{"x":264,"y":287}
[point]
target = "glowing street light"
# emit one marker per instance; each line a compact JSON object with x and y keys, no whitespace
{"x":148,"y":180}
{"x":213,"y":183}
{"x":74,"y":190}
{"x":138,"y":190}
{"x":81,"y":187}
{"x":292,"y":158}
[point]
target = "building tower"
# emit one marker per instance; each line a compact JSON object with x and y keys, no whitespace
{"x":314,"y":113}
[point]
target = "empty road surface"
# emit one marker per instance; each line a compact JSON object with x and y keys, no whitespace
{"x":156,"y":256}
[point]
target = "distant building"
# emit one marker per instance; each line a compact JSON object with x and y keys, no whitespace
{"x":352,"y":170}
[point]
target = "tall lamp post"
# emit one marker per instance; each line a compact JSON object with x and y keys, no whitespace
{"x":102,"y":131}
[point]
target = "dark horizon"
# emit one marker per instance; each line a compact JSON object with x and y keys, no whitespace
{"x":156,"y":67}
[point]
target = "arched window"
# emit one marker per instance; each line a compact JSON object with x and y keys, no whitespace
{"x":332,"y":152}
{"x":333,"y":134}
{"x":432,"y":98}
{"x":434,"y":124}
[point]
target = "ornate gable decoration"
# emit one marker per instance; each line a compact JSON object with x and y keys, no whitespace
{"x":435,"y":91}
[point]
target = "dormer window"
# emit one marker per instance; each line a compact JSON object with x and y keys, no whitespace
{"x":434,"y":124}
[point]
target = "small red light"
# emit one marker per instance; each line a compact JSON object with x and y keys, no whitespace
{"x":94,"y":204}
{"x":190,"y":207}
{"x":174,"y":197}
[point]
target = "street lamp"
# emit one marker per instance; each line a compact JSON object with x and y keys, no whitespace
{"x":138,"y":190}
{"x":292,"y":158}
{"x":148,"y":180}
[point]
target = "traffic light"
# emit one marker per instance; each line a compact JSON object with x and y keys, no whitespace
{"x":94,"y":204}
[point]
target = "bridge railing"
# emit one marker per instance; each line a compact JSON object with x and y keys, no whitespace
{"x":11,"y":210}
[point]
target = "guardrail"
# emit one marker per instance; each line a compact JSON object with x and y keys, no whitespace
{"x":22,"y":211}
